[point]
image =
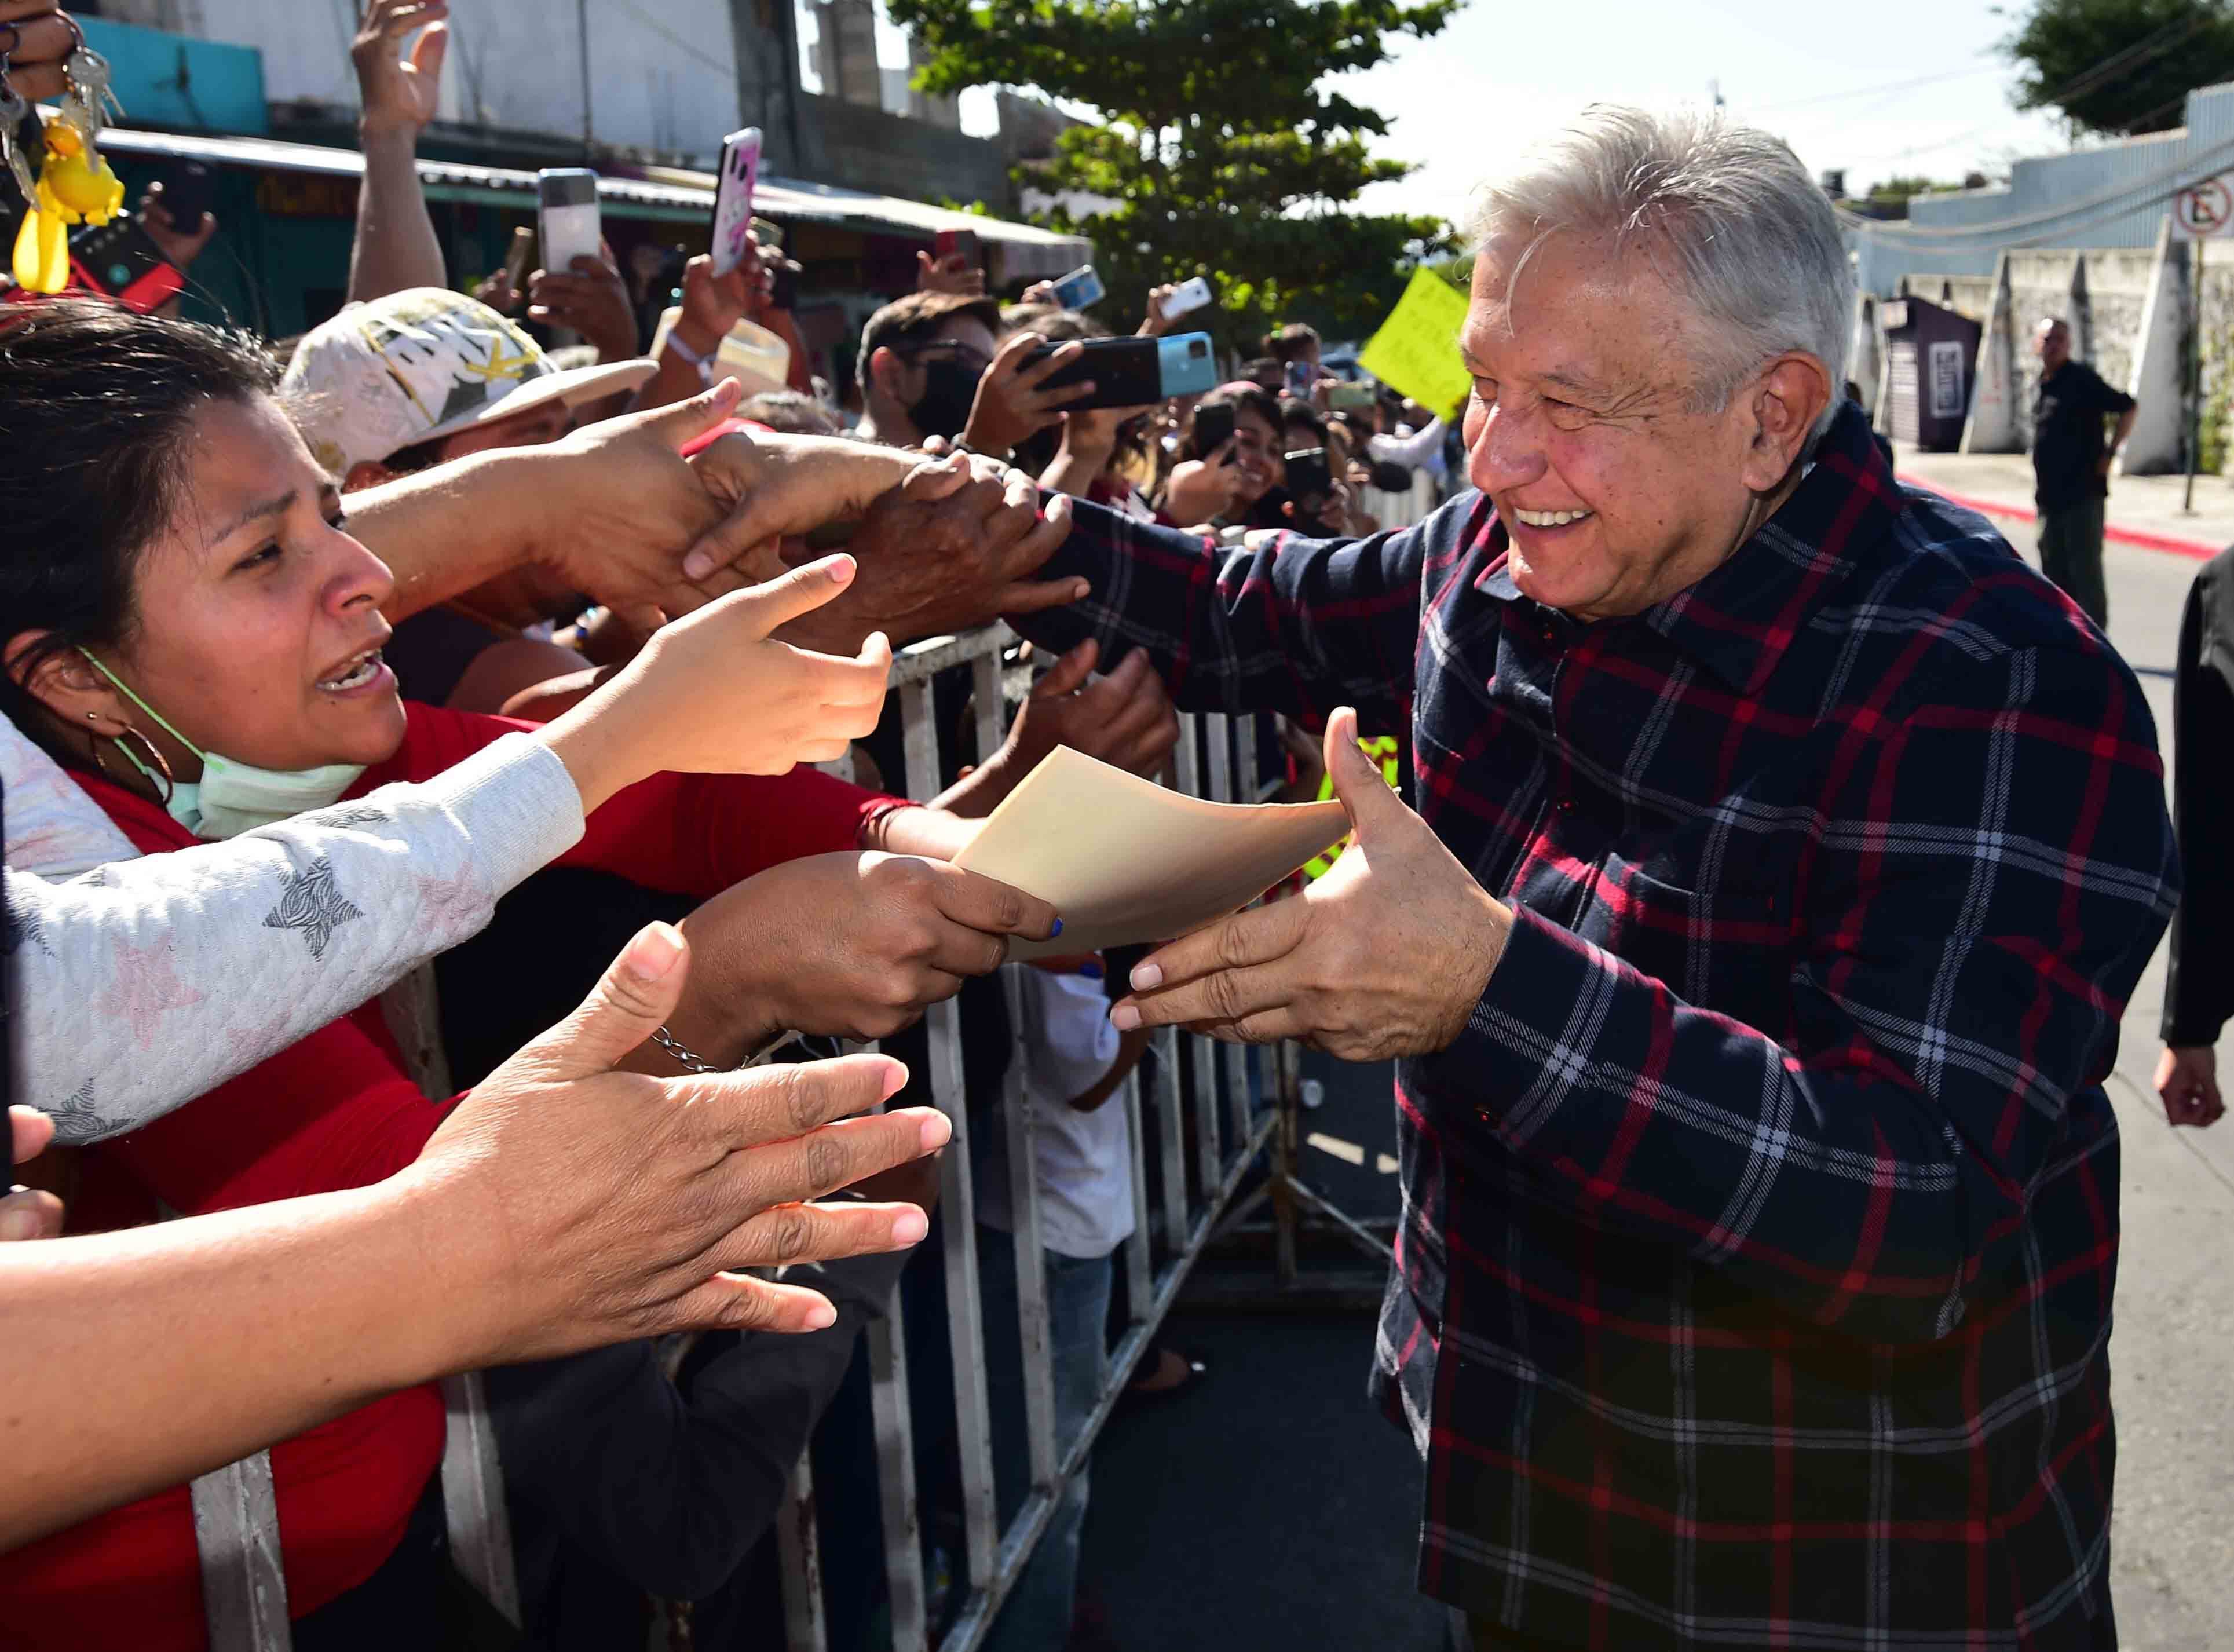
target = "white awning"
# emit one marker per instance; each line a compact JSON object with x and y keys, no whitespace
{"x":1015,"y":251}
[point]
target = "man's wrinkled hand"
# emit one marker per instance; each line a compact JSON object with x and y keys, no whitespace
{"x":1385,"y":955}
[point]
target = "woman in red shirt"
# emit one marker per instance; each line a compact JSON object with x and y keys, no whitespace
{"x":192,"y":631}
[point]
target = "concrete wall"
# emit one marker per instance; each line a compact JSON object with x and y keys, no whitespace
{"x":671,"y":89}
{"x":865,"y":148}
{"x":1964,"y":231}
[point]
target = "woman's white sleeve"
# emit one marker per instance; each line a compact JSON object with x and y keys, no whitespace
{"x":145,"y":983}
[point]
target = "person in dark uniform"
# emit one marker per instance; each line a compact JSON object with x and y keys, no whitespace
{"x":2071,"y":467}
{"x":2199,"y":990}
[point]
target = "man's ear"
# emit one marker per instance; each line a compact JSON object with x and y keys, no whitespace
{"x":887,"y":372}
{"x":61,"y":679}
{"x":1788,"y":399}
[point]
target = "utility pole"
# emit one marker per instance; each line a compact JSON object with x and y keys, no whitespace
{"x":582,"y":31}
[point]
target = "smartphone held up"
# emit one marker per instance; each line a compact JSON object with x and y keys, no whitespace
{"x":733,"y":198}
{"x":1135,"y":372}
{"x":567,"y":213}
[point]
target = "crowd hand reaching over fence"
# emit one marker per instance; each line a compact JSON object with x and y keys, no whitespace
{"x":592,"y":299}
{"x":714,"y":694}
{"x":952,"y":273}
{"x":1013,"y":401}
{"x":28,"y":1214}
{"x":1089,"y":442}
{"x":399,"y":94}
{"x":1202,"y":490}
{"x":1384,"y":956}
{"x":563,"y":1205}
{"x":40,"y":38}
{"x":1124,"y":719}
{"x":942,"y":545}
{"x":849,"y":945}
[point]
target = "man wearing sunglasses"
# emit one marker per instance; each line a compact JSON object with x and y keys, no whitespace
{"x":934,"y":365}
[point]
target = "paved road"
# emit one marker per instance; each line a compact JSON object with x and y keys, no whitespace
{"x":1271,"y":1510}
{"x":2172,"y":1535}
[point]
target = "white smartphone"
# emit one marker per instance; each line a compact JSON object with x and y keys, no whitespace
{"x":566,"y":199}
{"x":1190,"y":296}
{"x":1080,"y":287}
{"x":733,"y":197}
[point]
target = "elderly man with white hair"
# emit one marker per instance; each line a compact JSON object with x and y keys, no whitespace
{"x":1786,"y":849}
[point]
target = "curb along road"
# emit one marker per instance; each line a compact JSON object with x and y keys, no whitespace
{"x":2194,"y":549}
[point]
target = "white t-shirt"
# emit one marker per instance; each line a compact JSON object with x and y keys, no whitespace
{"x":1085,"y":1159}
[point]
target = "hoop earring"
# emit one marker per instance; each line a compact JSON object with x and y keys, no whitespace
{"x":143,"y":755}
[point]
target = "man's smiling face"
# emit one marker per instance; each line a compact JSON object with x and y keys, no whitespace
{"x":1586,"y":430}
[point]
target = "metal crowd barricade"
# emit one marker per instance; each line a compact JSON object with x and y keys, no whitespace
{"x":1200,"y":1128}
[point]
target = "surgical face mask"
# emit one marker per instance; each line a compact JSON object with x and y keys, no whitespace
{"x":949,"y":389}
{"x":231,"y":797}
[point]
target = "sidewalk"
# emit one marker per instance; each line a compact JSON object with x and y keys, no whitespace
{"x":2144,"y":510}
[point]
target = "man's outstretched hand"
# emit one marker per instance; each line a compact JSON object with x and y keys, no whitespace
{"x":1385,"y":955}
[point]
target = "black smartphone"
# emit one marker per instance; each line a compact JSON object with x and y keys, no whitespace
{"x":118,"y":259}
{"x":784,"y":294}
{"x":189,"y":191}
{"x":1309,"y":477}
{"x":1213,"y":429}
{"x":1135,"y":372}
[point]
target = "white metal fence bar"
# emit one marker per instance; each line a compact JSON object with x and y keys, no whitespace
{"x":244,"y":1584}
{"x":892,"y":1408}
{"x":804,"y":1626}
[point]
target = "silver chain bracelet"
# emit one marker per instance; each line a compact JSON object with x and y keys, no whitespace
{"x":682,"y":1053}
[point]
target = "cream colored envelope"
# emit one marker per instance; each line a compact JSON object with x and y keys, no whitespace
{"x":1124,"y":860}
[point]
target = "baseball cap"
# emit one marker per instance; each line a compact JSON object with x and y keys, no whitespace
{"x":421,"y":364}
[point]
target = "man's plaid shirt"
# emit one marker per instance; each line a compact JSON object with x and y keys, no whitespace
{"x":1760,"y":1231}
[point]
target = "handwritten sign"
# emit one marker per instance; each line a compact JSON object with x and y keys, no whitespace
{"x":1416,"y":351}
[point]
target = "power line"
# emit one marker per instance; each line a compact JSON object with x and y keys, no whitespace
{"x":1888,"y":86}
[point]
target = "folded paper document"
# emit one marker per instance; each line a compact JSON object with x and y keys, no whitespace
{"x":1125,"y":860}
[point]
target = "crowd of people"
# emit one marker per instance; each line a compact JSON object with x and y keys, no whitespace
{"x":1778,"y":855}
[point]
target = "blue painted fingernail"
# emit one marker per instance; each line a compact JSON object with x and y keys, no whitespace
{"x":1056,"y":930}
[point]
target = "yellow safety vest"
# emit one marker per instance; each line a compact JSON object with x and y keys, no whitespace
{"x":1382,"y":748}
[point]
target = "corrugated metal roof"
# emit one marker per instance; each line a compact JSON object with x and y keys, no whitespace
{"x":664,"y":192}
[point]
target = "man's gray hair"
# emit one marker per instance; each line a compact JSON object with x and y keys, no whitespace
{"x":1744,"y":236}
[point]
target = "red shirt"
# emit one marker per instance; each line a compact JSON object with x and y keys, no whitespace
{"x":338,"y":1110}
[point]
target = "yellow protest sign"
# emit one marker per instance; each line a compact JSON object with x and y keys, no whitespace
{"x":1416,"y":351}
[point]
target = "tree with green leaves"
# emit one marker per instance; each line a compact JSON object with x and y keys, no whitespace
{"x":2120,"y":66}
{"x":1222,"y":149}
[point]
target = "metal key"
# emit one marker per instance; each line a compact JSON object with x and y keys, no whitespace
{"x":13,"y":109}
{"x":89,"y":89}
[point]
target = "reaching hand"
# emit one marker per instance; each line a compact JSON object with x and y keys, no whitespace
{"x":181,"y":245}
{"x":953,"y":273}
{"x":27,"y":1215}
{"x":712,"y":304}
{"x":1125,"y":718}
{"x":1385,"y":955}
{"x":593,"y":300}
{"x":716,"y":694}
{"x":591,"y":1205}
{"x":953,"y":545}
{"x":1155,"y":324}
{"x":1011,"y":403}
{"x":2187,"y":1083}
{"x":854,"y":945}
{"x":399,"y":94}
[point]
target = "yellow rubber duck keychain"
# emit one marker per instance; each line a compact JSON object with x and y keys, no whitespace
{"x":75,"y":185}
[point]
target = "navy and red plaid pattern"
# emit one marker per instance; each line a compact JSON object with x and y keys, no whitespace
{"x":1760,"y":1231}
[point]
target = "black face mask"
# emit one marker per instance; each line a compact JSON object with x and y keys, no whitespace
{"x":948,"y":391}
